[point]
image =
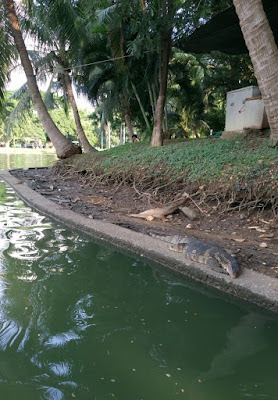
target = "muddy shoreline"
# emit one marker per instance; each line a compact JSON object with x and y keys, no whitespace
{"x":252,"y":239}
{"x":254,"y":287}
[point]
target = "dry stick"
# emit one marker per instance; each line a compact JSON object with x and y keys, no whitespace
{"x":118,"y":186}
{"x":141,"y":194}
{"x":199,"y":208}
{"x":157,"y":188}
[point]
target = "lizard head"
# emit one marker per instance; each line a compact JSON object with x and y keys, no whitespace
{"x":230,"y":264}
{"x":232,"y":267}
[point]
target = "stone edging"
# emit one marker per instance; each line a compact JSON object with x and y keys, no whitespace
{"x":252,"y":286}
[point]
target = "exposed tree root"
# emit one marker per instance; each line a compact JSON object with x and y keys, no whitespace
{"x":256,"y":196}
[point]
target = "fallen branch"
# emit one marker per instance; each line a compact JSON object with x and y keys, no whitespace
{"x":162,"y":212}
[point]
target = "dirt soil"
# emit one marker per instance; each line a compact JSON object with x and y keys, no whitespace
{"x":252,"y":238}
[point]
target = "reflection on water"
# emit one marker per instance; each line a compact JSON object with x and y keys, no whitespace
{"x":21,"y":230}
{"x":82,"y":321}
{"x":29,"y":158}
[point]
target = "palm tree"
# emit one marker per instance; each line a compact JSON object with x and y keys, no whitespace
{"x":64,"y":147}
{"x":59,"y":29}
{"x":8,"y":54}
{"x":115,"y":74}
{"x":88,"y":148}
{"x":165,"y":46}
{"x":263,"y":52}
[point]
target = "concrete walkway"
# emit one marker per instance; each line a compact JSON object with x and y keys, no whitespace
{"x":251,"y":286}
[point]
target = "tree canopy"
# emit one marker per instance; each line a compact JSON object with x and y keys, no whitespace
{"x":115,"y":53}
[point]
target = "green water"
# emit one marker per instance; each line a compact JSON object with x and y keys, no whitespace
{"x":83,"y":321}
{"x":29,"y":158}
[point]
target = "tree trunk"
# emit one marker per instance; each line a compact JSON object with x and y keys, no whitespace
{"x":107,"y":128}
{"x":122,"y":134}
{"x":195,"y":131}
{"x":152,"y":100}
{"x":101,"y":138}
{"x":141,"y":107}
{"x":129,"y":125}
{"x":263,"y":51}
{"x":64,"y":147}
{"x":80,"y":132}
{"x":165,"y":49}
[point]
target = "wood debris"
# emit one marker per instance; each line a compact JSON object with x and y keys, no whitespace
{"x":239,"y":239}
{"x":189,"y":213}
{"x":257,"y":228}
{"x":162,"y":212}
{"x":267,"y":235}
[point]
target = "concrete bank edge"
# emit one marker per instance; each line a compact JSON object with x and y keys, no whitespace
{"x":254,"y":287}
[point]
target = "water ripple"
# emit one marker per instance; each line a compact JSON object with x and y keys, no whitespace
{"x":52,"y":393}
{"x":21,"y":230}
{"x":61,"y":368}
{"x":61,"y":339}
{"x":9,"y":332}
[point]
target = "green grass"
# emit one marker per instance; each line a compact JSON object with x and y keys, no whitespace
{"x":197,"y":161}
{"x":227,"y":174}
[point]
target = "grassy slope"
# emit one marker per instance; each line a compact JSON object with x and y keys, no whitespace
{"x":235,"y":165}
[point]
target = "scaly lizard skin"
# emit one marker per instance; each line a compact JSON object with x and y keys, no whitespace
{"x":196,"y":250}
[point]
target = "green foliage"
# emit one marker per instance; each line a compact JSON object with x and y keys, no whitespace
{"x":15,"y":127}
{"x":7,"y":52}
{"x":87,"y":36}
{"x":215,"y":117}
{"x":65,"y":122}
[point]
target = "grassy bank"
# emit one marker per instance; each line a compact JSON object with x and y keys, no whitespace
{"x":236,"y":172}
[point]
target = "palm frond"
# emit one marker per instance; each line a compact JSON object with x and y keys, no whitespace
{"x":18,"y":114}
{"x":107,"y":14}
{"x":48,"y":96}
{"x":19,"y":92}
{"x":8,"y":55}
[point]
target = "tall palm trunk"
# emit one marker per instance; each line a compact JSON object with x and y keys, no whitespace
{"x":141,"y":107}
{"x":64,"y":147}
{"x":263,"y":51}
{"x":128,"y":123}
{"x":107,"y":129}
{"x":80,"y":132}
{"x":165,"y":49}
{"x":125,"y":106}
